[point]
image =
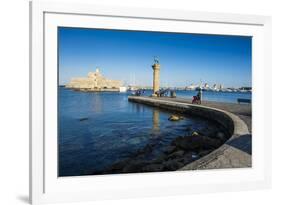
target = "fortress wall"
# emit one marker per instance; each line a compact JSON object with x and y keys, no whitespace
{"x":93,"y":81}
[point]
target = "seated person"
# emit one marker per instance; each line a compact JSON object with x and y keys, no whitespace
{"x":198,"y":95}
{"x":197,"y":98}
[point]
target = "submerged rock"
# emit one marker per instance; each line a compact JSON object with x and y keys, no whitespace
{"x":196,"y":142}
{"x":159,"y":159}
{"x":170,"y":149}
{"x":189,"y":128}
{"x":220,"y":135}
{"x":204,"y":152}
{"x":181,"y":151}
{"x":134,"y":166}
{"x":209,"y":131}
{"x":119,"y":165}
{"x":176,"y":154}
{"x":153,"y":168}
{"x":83,"y":119}
{"x":147,"y":149}
{"x":172,"y":165}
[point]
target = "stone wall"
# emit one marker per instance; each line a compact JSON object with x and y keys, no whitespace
{"x":94,"y":81}
{"x":226,"y":156}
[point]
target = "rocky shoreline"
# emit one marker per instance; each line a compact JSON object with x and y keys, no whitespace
{"x":180,"y":152}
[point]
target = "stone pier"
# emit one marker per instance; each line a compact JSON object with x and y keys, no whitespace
{"x":236,"y":118}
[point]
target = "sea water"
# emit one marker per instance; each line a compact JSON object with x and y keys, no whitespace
{"x":98,"y":129}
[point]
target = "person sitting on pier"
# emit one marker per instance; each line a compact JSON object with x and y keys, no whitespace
{"x":197,"y":98}
{"x":162,"y":92}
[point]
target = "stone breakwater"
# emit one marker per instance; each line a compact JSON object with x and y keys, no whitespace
{"x":200,"y":149}
{"x":233,"y":151}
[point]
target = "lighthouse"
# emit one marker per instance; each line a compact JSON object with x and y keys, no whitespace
{"x":156,"y":76}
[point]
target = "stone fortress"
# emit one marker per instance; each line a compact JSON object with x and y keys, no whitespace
{"x":95,"y":81}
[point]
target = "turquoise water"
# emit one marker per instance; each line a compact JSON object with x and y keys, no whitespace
{"x":101,"y":128}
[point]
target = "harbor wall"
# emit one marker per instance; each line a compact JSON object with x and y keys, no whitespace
{"x":225,"y":155}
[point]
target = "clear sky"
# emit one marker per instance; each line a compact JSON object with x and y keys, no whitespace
{"x":128,"y":56}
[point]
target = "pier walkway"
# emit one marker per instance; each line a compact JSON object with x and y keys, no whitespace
{"x":237,"y":151}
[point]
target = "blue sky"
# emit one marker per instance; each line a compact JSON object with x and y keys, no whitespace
{"x":128,"y":56}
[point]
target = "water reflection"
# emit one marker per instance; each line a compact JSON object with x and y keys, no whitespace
{"x":138,"y":108}
{"x":96,"y":103}
{"x":156,"y":127}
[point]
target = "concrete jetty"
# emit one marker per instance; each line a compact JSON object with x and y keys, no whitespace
{"x":236,"y":118}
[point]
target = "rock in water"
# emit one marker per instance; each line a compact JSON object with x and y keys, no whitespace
{"x":173,"y":165}
{"x":83,"y":119}
{"x":153,"y":168}
{"x":170,"y":149}
{"x":119,"y":165}
{"x":196,"y":142}
{"x":194,"y":134}
{"x":220,"y":135}
{"x":134,"y":166}
{"x":176,"y":154}
{"x":175,"y":118}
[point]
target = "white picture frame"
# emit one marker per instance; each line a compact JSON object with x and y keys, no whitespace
{"x":46,"y":187}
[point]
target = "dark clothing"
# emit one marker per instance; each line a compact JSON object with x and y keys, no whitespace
{"x":198,"y":95}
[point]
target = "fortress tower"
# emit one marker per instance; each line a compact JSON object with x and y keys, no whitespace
{"x":156,"y":76}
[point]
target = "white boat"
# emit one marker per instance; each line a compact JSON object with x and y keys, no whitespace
{"x":122,"y":89}
{"x":132,"y":88}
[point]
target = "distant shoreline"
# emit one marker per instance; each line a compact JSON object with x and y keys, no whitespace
{"x":149,"y":89}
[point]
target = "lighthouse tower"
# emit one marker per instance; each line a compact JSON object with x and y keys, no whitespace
{"x":156,"y":76}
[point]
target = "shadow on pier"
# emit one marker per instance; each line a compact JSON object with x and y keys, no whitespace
{"x":243,"y":143}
